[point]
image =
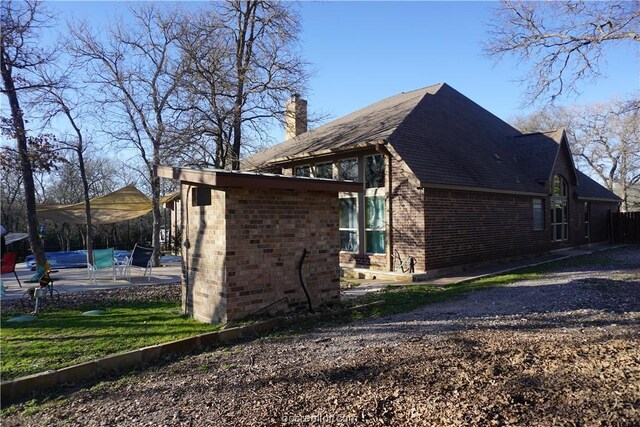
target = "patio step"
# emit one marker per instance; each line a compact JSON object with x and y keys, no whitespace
{"x":386,"y":276}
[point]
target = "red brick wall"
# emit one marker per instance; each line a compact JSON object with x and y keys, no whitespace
{"x":246,"y":247}
{"x":465,"y":227}
{"x":408,"y":215}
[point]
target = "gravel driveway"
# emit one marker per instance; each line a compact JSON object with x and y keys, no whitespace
{"x":562,"y":350}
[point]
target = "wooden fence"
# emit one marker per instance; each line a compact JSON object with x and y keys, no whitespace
{"x":626,"y":227}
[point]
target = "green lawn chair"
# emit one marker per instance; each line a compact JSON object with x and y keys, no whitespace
{"x":102,"y":259}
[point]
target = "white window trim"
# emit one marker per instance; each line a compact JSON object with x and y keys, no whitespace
{"x":564,"y":198}
{"x":333,"y":169}
{"x":375,"y":192}
{"x":384,"y":227}
{"x":562,"y":223}
{"x":351,"y":195}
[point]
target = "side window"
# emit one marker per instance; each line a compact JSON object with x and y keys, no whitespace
{"x":538,"y":214}
{"x":587,"y":219}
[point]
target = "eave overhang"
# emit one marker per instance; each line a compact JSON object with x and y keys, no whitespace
{"x":218,"y":178}
{"x":327,"y":152}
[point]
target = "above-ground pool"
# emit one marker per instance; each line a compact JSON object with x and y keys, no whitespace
{"x":77,"y":259}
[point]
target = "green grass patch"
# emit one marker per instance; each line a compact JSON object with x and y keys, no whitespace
{"x":62,"y":338}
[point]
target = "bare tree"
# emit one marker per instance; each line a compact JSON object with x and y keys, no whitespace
{"x":65,"y":98}
{"x":565,"y":41}
{"x":21,"y":54}
{"x":138,"y":73}
{"x":243,"y":64}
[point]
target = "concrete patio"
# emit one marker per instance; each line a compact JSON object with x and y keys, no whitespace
{"x":69,"y":280}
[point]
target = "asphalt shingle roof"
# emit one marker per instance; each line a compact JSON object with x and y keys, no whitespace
{"x":444,"y":137}
{"x":373,"y":123}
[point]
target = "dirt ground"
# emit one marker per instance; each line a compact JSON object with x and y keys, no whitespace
{"x":562,"y":350}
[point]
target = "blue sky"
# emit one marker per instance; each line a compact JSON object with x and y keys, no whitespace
{"x":365,"y":51}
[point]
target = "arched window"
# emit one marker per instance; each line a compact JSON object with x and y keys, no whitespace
{"x":559,"y":211}
{"x":560,"y":186}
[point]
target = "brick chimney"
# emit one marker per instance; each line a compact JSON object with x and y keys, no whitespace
{"x":295,"y":117}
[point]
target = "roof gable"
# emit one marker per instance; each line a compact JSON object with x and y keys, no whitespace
{"x":450,"y":140}
{"x":538,"y":153}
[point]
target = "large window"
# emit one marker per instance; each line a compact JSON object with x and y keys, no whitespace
{"x":559,"y":210}
{"x":374,"y":205}
{"x":363,"y":226}
{"x":349,"y":224}
{"x":375,"y":224}
{"x":538,"y":214}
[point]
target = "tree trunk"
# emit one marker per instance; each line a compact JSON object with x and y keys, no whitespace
{"x":157,"y":219}
{"x":27,"y":172}
{"x":85,"y":185}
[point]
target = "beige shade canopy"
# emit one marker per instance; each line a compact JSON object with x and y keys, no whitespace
{"x":121,"y":205}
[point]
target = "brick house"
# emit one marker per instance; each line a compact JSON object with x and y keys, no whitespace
{"x":444,"y":181}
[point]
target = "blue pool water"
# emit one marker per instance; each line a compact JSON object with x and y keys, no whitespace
{"x":71,"y":259}
{"x":77,"y":259}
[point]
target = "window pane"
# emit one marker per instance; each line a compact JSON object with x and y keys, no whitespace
{"x":324,"y":170}
{"x":558,"y":232}
{"x":374,"y":212}
{"x":348,"y":213}
{"x":558,"y":215}
{"x":349,"y":241}
{"x":348,"y":170}
{"x":374,"y":171}
{"x":375,"y":242}
{"x":538,"y":215}
{"x":302,"y":170}
{"x":560,"y":187}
